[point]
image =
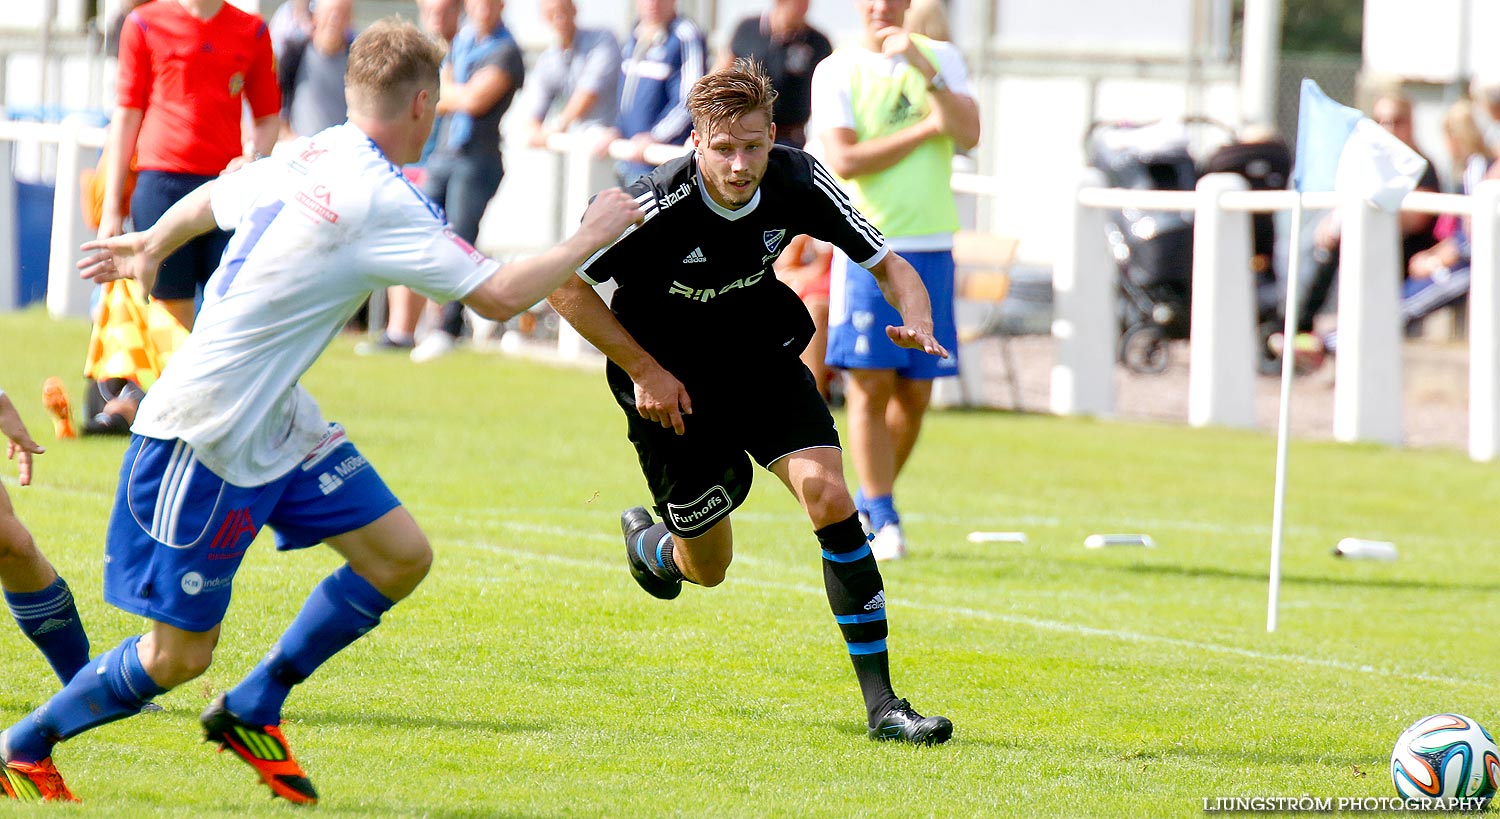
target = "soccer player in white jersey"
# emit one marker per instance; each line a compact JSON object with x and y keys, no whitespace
{"x":228,"y":441}
{"x":704,"y":343}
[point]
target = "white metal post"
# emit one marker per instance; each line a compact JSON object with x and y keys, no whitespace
{"x":10,"y":250}
{"x":1083,"y":287}
{"x":583,"y":176}
{"x":1484,"y":318}
{"x":1367,"y":373}
{"x":1221,"y":383}
{"x":1261,"y":52}
{"x":67,"y":294}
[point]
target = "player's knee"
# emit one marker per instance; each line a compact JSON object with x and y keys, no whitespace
{"x":401,"y":568}
{"x":713,"y":573}
{"x":17,"y":548}
{"x":827,"y":500}
{"x":171,"y":665}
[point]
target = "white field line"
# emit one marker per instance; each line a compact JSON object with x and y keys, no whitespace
{"x":1039,"y":624}
{"x":503,"y":516}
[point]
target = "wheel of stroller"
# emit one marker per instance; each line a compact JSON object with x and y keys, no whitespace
{"x":1268,"y":362}
{"x":1143,"y":349}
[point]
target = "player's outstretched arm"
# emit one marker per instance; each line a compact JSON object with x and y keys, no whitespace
{"x":903,"y":288}
{"x":659,"y":396}
{"x":139,"y":255}
{"x":516,"y":286}
{"x":19,"y":446}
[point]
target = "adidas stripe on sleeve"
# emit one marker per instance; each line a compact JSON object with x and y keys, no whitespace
{"x":596,"y":272}
{"x":845,"y":227}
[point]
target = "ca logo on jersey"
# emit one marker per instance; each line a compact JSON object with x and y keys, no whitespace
{"x":707,"y":293}
{"x":773,"y":238}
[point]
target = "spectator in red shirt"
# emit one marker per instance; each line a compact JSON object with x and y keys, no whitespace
{"x":186,"y":68}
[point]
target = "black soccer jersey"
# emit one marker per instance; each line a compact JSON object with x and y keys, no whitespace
{"x":695,"y":280}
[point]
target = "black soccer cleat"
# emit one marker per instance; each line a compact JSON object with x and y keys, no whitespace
{"x":633,"y":523}
{"x":262,"y":747}
{"x":902,"y":722}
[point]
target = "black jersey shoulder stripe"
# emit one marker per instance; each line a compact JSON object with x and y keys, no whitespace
{"x":646,"y":200}
{"x":856,"y":219}
{"x":825,"y":181}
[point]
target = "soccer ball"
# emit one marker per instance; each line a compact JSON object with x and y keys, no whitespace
{"x":1445,"y":756}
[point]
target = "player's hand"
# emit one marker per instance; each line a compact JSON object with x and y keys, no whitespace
{"x":605,"y":138}
{"x":914,"y":338}
{"x":119,"y":257}
{"x":611,"y":212}
{"x":895,"y":42}
{"x":19,"y":446}
{"x":660,"y":397}
{"x":236,"y":163}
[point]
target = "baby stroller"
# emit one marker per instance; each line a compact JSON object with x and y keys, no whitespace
{"x":1153,"y":249}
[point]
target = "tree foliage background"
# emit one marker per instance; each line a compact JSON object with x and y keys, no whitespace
{"x":1316,"y":26}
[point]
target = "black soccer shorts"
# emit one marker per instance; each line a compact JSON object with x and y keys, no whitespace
{"x":702,"y":475}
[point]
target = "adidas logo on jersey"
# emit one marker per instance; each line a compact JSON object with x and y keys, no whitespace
{"x":877,"y":602}
{"x":695,"y":257}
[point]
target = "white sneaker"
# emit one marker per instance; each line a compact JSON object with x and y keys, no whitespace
{"x":865,"y":524}
{"x":436,"y":345}
{"x":889,"y":543}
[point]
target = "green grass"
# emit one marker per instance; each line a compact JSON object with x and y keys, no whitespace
{"x":529,"y":677}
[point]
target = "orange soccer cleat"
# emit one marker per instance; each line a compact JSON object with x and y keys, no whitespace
{"x":35,"y":782}
{"x":55,"y":399}
{"x":263,"y":748}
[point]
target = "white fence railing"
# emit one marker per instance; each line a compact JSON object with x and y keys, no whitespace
{"x":1223,"y":336}
{"x":77,"y":141}
{"x":1368,"y":367}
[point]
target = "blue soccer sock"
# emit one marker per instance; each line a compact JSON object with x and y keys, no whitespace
{"x":882,"y":510}
{"x":50,"y":619}
{"x":856,"y":594}
{"x":112,"y":687}
{"x":339,"y":611}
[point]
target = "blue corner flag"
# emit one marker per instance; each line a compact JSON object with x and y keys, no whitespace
{"x":1340,"y":149}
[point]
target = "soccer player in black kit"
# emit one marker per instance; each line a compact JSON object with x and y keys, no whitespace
{"x":703,"y":346}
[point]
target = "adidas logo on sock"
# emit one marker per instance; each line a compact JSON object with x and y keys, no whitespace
{"x":52,"y":624}
{"x":876,"y":602}
{"x":695,"y":257}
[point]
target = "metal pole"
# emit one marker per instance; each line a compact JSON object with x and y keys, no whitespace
{"x":1261,"y":50}
{"x":1284,"y":417}
{"x":49,"y":13}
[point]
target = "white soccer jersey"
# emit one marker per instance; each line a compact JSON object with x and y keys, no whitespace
{"x":316,"y":230}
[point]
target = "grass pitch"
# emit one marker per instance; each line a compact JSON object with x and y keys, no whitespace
{"x":529,"y":677}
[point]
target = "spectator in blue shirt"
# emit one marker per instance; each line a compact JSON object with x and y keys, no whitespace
{"x":663,"y":57}
{"x":480,"y":77}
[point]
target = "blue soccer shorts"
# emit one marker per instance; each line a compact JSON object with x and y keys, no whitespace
{"x":858,"y":315}
{"x":178,"y":532}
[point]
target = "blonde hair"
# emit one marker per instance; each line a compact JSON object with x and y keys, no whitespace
{"x":388,"y":62}
{"x":1459,"y":125}
{"x":730,"y":94}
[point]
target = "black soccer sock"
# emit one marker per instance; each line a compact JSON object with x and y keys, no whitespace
{"x":857,"y":596}
{"x":654,"y":546}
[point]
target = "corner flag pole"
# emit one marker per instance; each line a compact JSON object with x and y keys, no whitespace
{"x":1288,"y":363}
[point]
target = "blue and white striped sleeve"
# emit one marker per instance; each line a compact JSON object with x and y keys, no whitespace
{"x":676,"y":119}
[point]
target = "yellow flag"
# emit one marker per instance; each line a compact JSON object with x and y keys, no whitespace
{"x":131,"y":339}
